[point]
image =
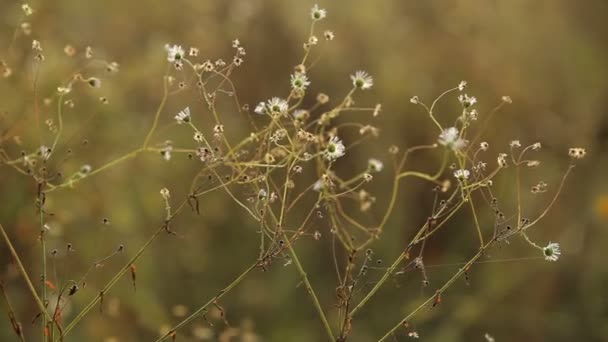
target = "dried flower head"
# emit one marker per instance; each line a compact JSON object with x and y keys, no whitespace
{"x":466,"y":100}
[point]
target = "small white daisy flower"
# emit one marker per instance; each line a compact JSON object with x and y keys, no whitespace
{"x":462,"y":174}
{"x":335,"y":149}
{"x":198,"y":136}
{"x":174,"y":53}
{"x":552,"y":251}
{"x":165,"y":193}
{"x":462,"y":85}
{"x":451,"y":138}
{"x":260,"y":108}
{"x":415,"y":100}
{"x":183,"y":116}
{"x":466,"y":100}
{"x":299,"y":81}
{"x":375,"y":165}
{"x":276,"y":106}
{"x":317,"y":13}
{"x":362,"y":80}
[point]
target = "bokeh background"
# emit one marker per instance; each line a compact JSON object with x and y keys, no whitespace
{"x":550,"y":56}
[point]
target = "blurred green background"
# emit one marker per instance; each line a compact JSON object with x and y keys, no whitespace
{"x":550,"y":56}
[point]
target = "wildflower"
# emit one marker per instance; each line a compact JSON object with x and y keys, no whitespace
{"x":484,"y":146}
{"x":27,"y":10}
{"x":183,"y":116}
{"x":198,"y":136}
{"x":472,"y":115}
{"x":299,"y":81}
{"x":577,"y":152}
{"x":415,"y":100}
{"x":466,"y":100}
{"x":262,"y":194}
{"x":94,"y":82}
{"x":362,"y":80}
{"x":451,"y":138}
{"x":273,"y":106}
{"x":536,"y":146}
{"x":112,"y":67}
{"x":45,"y":152}
{"x":329,"y":35}
{"x":507,"y":99}
{"x":236,"y":43}
{"x":367,"y":177}
{"x":237,"y":60}
{"x":502,"y":160}
{"x":462,"y":85}
{"x":317,"y":13}
{"x":69,"y":50}
{"x":318,"y":185}
{"x":413,"y":334}
{"x":335,"y":149}
{"x":322,"y":98}
{"x":64,"y":90}
{"x":193,"y":52}
{"x":36,"y":45}
{"x":165,"y":193}
{"x":313,"y":40}
{"x":174,"y":53}
{"x":166,"y":151}
{"x":375,"y":165}
{"x":515,"y":143}
{"x":462,"y":174}
{"x":26,"y":28}
{"x":552,"y":251}
{"x":85,"y":169}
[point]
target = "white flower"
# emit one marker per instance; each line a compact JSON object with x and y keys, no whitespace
{"x":27,"y":10}
{"x":552,"y":251}
{"x":273,"y":106}
{"x":375,"y":165}
{"x":198,"y":136}
{"x":183,"y":116}
{"x":260,"y":108}
{"x":451,"y":138}
{"x":462,"y":85}
{"x":462,"y":174}
{"x":319,"y":185}
{"x":335,"y":149}
{"x":577,"y":152}
{"x":299,"y":81}
{"x":262,"y":194}
{"x":415,"y":100}
{"x":317,"y":13}
{"x":515,"y":143}
{"x":45,"y":152}
{"x":466,"y":100}
{"x":174,"y":53}
{"x":329,"y":35}
{"x":362,"y":79}
{"x":484,"y":146}
{"x":165,"y":193}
